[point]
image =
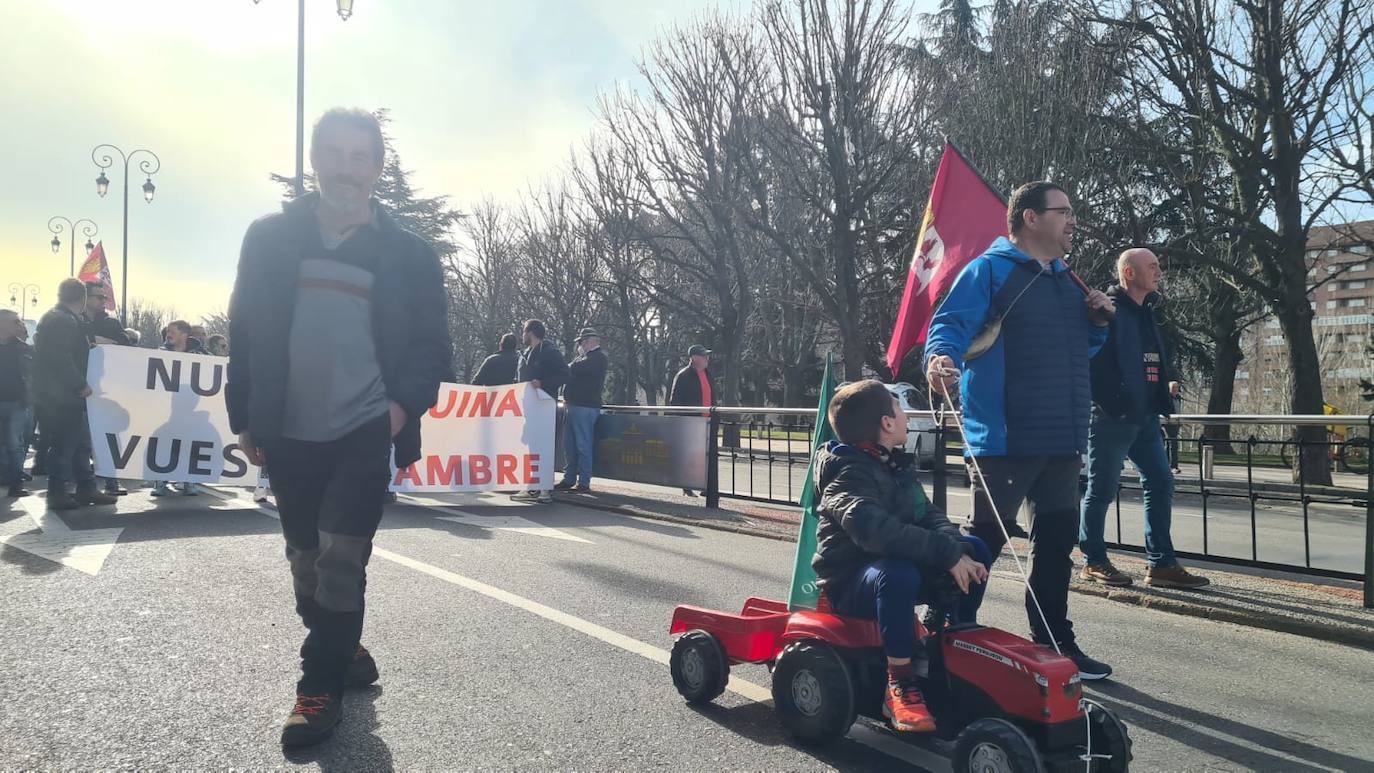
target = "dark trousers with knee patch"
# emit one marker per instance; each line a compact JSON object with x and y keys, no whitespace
{"x":1048,"y":485}
{"x":330,"y":497}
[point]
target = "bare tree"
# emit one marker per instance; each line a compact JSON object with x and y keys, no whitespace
{"x":1280,"y":88}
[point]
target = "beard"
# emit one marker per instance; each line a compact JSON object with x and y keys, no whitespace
{"x":344,"y":196}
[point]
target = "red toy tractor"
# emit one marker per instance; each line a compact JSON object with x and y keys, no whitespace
{"x":1001,"y":702}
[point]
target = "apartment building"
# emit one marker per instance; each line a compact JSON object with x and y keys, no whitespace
{"x":1341,"y":259}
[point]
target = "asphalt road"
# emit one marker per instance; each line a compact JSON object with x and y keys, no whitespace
{"x":532,"y":637}
{"x":1335,"y":532}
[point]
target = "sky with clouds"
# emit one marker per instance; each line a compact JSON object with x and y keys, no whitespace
{"x":485,"y":97}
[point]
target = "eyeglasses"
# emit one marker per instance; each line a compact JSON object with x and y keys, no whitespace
{"x":1068,"y":211}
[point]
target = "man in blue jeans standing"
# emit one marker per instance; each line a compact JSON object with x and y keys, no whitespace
{"x":582,"y":394}
{"x":1132,"y":388}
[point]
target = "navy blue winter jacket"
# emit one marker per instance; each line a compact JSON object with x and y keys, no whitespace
{"x":1030,"y":394}
{"x":1118,"y":373}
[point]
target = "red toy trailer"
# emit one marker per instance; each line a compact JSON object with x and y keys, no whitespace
{"x":1001,"y":703}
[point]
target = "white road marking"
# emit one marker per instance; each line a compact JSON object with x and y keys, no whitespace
{"x":84,"y":550}
{"x":503,"y":522}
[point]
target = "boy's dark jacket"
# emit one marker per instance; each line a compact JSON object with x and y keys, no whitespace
{"x":868,"y":510}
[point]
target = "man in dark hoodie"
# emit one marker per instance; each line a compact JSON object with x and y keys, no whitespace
{"x":1132,"y":388}
{"x":880,"y":542}
{"x":502,"y":367}
{"x":338,"y":340}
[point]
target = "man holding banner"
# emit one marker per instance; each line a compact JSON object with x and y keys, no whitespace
{"x":338,"y":343}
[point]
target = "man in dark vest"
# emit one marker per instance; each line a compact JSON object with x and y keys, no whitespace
{"x":338,"y":340}
{"x":1026,"y":400}
{"x":1132,"y":388}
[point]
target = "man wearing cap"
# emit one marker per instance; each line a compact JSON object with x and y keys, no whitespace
{"x":692,"y":385}
{"x":582,"y":394}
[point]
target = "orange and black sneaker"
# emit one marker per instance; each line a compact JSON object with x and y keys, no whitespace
{"x":312,"y":719}
{"x":362,"y":670}
{"x":905,"y":708}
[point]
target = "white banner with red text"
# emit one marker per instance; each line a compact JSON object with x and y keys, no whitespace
{"x":160,"y":415}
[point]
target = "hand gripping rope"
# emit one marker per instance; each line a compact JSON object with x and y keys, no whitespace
{"x":947,"y":404}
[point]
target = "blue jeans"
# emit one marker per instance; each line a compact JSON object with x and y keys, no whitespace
{"x":579,"y":441}
{"x":14,"y":428}
{"x":1110,"y":441}
{"x":889,"y":589}
{"x":69,"y":448}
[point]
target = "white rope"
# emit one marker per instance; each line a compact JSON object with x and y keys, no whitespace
{"x":1020,"y":567}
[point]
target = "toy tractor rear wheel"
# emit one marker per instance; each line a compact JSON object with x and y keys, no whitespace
{"x":699,"y":668}
{"x":1109,"y":737}
{"x":813,"y":692}
{"x":996,"y":746}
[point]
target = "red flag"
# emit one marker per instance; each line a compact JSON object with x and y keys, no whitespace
{"x":95,"y":269}
{"x":963,"y":218}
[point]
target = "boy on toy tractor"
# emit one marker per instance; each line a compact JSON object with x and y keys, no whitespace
{"x":881,"y":546}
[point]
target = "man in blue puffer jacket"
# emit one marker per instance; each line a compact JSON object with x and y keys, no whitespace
{"x":1026,"y":399}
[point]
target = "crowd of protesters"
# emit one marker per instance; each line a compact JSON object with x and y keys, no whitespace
{"x":43,"y":390}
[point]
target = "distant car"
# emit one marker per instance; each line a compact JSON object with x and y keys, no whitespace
{"x":920,"y":430}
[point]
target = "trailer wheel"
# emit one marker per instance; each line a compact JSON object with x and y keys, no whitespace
{"x":698,"y":666}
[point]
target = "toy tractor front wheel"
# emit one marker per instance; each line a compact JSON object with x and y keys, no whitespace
{"x":1111,"y":744}
{"x":996,"y":746}
{"x":813,"y":692}
{"x":698,"y":666}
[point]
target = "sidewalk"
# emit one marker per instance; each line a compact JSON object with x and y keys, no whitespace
{"x":1329,"y":610}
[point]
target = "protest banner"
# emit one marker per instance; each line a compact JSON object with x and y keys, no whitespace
{"x":484,"y":439}
{"x":160,"y":415}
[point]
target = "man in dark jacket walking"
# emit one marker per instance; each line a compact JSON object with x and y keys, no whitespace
{"x":15,"y":357}
{"x":542,"y":365}
{"x":59,"y":395}
{"x":582,"y":395}
{"x":692,"y":385}
{"x":1026,"y":399}
{"x":1132,"y":388}
{"x":880,"y":542}
{"x":502,"y":367}
{"x":338,"y":340}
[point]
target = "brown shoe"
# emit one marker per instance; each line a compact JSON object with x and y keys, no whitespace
{"x":1106,"y":574}
{"x":311,"y":720}
{"x":1174,"y":577}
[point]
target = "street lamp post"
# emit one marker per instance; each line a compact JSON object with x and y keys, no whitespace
{"x":89,"y":230}
{"x":148,"y":167}
{"x":345,"y":9}
{"x":23,"y":295}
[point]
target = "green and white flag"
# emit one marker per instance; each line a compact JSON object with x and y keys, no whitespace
{"x":804,"y":592}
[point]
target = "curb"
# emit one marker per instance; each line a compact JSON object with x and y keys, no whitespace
{"x":1339,"y":634}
